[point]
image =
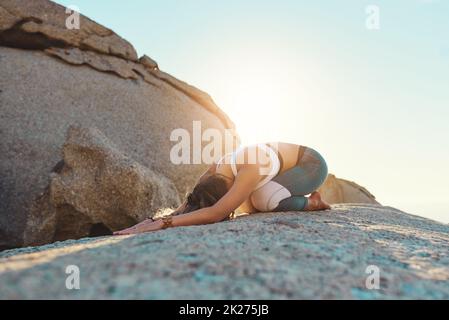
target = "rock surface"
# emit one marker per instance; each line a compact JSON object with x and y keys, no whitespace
{"x":94,"y":190}
{"x":262,"y":256}
{"x":53,"y":77}
{"x":336,"y":190}
{"x":42,"y":23}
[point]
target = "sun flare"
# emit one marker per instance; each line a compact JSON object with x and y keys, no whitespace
{"x":262,"y":100}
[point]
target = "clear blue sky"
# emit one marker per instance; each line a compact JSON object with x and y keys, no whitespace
{"x":374,"y":103}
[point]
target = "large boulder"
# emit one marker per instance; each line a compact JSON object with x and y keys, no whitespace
{"x":94,"y":190}
{"x":322,"y":255}
{"x":53,"y":77}
{"x":336,"y":190}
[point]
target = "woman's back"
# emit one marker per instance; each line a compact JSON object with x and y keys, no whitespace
{"x":272,"y":158}
{"x":289,"y":154}
{"x":261,"y":154}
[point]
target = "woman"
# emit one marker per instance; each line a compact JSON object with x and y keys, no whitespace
{"x":257,"y":178}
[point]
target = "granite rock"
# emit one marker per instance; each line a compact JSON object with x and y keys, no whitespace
{"x":94,"y":190}
{"x":337,"y":190}
{"x":291,"y":255}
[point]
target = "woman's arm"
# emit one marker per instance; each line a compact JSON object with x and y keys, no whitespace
{"x":243,"y":186}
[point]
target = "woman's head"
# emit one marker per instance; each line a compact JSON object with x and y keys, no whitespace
{"x":206,"y":193}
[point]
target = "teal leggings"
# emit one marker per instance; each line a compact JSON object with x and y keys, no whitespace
{"x":307,"y":176}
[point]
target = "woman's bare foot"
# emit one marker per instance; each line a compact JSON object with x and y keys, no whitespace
{"x":315,"y":202}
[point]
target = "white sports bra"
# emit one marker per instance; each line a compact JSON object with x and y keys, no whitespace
{"x":269,"y":156}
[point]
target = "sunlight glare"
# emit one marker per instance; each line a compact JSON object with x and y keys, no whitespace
{"x":260,"y":98}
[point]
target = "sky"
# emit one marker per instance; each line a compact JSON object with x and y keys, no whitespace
{"x":373,"y":102}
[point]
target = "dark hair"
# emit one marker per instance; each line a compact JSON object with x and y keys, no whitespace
{"x":206,"y":193}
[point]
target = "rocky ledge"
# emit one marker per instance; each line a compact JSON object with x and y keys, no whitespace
{"x":265,"y":256}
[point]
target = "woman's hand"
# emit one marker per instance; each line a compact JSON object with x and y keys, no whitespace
{"x":145,"y":226}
